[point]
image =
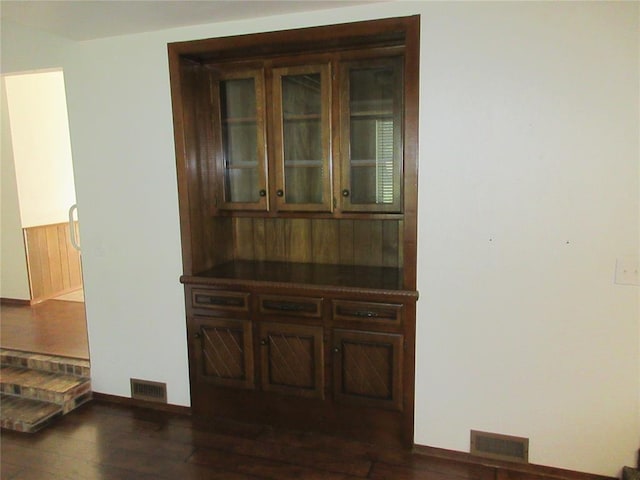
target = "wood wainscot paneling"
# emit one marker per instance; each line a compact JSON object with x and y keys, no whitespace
{"x":52,"y":262}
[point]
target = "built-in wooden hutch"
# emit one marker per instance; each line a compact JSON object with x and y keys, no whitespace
{"x":297,"y":169}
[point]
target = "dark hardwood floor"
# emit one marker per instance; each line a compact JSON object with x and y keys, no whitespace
{"x":109,"y":441}
{"x":54,"y":327}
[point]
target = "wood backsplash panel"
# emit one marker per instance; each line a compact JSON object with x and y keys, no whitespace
{"x":299,"y":240}
{"x":243,"y":246}
{"x":325,"y":235}
{"x":327,"y":241}
{"x":391,"y":244}
{"x":367,"y":242}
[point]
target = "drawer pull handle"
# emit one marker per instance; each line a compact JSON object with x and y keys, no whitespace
{"x":336,"y":350}
{"x":224,"y":301}
{"x":196,"y":335}
{"x":263,"y":342}
{"x":366,"y":314}
{"x":289,"y":306}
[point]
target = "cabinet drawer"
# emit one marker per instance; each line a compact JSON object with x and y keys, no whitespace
{"x":220,"y":300}
{"x":294,"y":306}
{"x":349,"y":311}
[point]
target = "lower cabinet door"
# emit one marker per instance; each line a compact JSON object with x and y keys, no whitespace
{"x":223,"y":351}
{"x":367,"y":368}
{"x":291,"y":359}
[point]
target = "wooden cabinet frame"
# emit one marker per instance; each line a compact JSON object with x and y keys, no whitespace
{"x":279,"y":117}
{"x":361,"y":259}
{"x":257,"y":75}
{"x":345,"y":190}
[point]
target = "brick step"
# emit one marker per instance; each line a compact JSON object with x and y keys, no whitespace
{"x":26,"y":415}
{"x":68,"y":391}
{"x":37,"y":388}
{"x":47,"y":363}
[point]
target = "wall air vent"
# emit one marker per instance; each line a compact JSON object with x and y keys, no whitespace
{"x":148,"y":391}
{"x":499,"y":447}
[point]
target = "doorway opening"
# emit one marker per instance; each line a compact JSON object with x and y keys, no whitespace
{"x":42,"y":294}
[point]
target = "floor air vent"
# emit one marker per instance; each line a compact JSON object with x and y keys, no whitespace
{"x":149,"y":391}
{"x":499,"y":447}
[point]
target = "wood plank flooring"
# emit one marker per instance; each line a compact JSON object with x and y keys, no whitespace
{"x":107,"y":441}
{"x":111,"y":441}
{"x":54,"y":327}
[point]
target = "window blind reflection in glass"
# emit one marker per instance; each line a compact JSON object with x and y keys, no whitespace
{"x":372,"y":155}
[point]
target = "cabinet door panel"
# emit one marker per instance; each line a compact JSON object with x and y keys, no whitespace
{"x":238,"y":98}
{"x":371,"y":103}
{"x":292,"y":359}
{"x":223,"y":350}
{"x":302,"y":138}
{"x":367,"y":368}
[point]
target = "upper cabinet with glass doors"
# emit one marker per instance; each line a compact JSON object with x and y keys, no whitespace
{"x":300,"y":114}
{"x":240,"y":139}
{"x":371,"y":135}
{"x":274,"y":131}
{"x":302,"y":132}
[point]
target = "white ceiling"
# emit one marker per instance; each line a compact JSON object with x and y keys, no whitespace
{"x":89,"y":19}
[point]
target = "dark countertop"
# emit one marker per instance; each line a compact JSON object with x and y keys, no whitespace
{"x":309,"y":274}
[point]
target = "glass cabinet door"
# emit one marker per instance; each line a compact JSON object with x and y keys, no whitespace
{"x":302,"y":138}
{"x":371,"y":135}
{"x":238,"y":99}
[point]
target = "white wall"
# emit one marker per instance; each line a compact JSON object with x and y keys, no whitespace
{"x":14,"y":281}
{"x":528,"y":193}
{"x":41,"y":146}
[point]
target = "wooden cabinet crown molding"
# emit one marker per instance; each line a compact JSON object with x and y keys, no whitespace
{"x":366,"y":34}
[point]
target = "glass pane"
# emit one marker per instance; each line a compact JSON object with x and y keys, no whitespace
{"x":363,"y":185}
{"x":239,"y":143}
{"x":305,"y":184}
{"x":239,"y":139}
{"x":373,"y":170}
{"x":372,"y":90}
{"x":238,"y":98}
{"x":302,"y":142}
{"x":241,"y":185}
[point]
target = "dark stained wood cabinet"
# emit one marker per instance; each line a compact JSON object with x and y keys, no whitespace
{"x":291,"y":359}
{"x":223,"y":350}
{"x":371,"y":104}
{"x":301,"y":137}
{"x":239,"y":133}
{"x":296,"y":156}
{"x":368,"y":368}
